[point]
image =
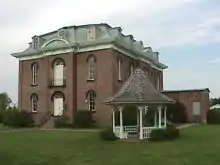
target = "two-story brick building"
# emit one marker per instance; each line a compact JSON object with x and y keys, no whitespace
{"x":78,"y":67}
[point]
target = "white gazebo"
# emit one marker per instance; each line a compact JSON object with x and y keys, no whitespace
{"x":139,"y":91}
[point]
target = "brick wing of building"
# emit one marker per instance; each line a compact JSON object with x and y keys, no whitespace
{"x":78,"y":67}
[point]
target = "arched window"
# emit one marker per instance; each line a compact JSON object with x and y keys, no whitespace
{"x":91,"y":64}
{"x":91,"y":97}
{"x":58,"y":66}
{"x":34,"y":101}
{"x":58,"y":103}
{"x":131,"y":68}
{"x":119,"y":68}
{"x":34,"y":68}
{"x":146,"y":71}
{"x":158,"y":82}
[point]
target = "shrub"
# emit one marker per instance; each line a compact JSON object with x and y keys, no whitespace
{"x":107,"y":135}
{"x":176,"y":113}
{"x":83,"y":119}
{"x":62,"y":122}
{"x":170,"y":133}
{"x":157,"y":135}
{"x":213,"y":117}
{"x":15,"y":118}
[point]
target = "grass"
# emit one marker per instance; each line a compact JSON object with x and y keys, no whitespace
{"x":198,"y":145}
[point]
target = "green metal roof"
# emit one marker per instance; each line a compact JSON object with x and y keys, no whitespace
{"x":105,"y":34}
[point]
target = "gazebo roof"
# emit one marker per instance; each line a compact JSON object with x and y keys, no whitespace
{"x":139,"y":90}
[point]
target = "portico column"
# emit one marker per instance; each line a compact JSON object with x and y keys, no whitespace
{"x":138,"y":117}
{"x":113,"y":120}
{"x":155,"y":118}
{"x":121,"y":122}
{"x":165,"y":116}
{"x":141,"y":122}
{"x":159,"y":114}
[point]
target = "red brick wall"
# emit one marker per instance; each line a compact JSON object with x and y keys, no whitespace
{"x":44,"y":92}
{"x":105,"y":85}
{"x":187,"y":99}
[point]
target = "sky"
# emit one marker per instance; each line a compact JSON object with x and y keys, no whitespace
{"x":185,"y":32}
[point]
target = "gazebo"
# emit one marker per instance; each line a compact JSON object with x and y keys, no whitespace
{"x":139,"y":91}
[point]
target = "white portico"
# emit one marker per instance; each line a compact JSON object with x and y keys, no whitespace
{"x":138,"y":91}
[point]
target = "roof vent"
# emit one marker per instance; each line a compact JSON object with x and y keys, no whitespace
{"x":62,"y":33}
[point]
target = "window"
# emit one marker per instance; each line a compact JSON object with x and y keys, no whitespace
{"x":119,"y":68}
{"x":91,"y":62}
{"x":91,"y":33}
{"x":90,"y":97}
{"x":158,"y":82}
{"x":36,"y":42}
{"x":34,"y":100}
{"x":131,"y":69}
{"x":58,"y":69}
{"x":146,"y":72}
{"x":34,"y":73}
{"x":58,"y":103}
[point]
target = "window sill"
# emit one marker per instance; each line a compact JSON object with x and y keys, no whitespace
{"x":33,"y":112}
{"x":90,"y":80}
{"x":34,"y":85}
{"x":120,"y":81}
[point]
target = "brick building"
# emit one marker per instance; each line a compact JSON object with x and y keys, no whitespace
{"x":196,"y":102}
{"x":78,"y":67}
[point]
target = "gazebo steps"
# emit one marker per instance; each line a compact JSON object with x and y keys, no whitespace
{"x":133,"y":136}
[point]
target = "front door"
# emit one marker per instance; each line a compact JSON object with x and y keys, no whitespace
{"x":58,"y":106}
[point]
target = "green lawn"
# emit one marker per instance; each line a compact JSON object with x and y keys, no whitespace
{"x":199,"y":145}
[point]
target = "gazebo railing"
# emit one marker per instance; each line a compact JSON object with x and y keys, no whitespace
{"x":147,"y":131}
{"x":131,"y":129}
{"x":134,"y":129}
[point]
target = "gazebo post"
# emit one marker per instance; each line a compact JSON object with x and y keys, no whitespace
{"x":113,"y":120}
{"x":121,"y":122}
{"x":159,"y":114}
{"x":155,"y":118}
{"x":141,"y":121}
{"x":165,"y":116}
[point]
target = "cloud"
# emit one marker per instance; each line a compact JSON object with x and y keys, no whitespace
{"x":215,"y":61}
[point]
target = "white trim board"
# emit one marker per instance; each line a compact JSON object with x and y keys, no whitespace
{"x":87,"y":49}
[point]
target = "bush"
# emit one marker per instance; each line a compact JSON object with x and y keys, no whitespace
{"x":170,"y":133}
{"x":157,"y":135}
{"x":176,"y":113}
{"x":15,"y":118}
{"x":213,"y":117}
{"x":83,"y":119}
{"x":1,"y":116}
{"x":62,"y":122}
{"x":108,"y":135}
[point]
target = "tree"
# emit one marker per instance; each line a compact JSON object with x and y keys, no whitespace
{"x":176,"y":113}
{"x":214,"y":101}
{"x":5,"y":102}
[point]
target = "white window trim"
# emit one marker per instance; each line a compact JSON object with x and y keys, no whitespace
{"x":34,"y":102}
{"x":119,"y":69}
{"x":158,"y":82}
{"x":91,"y":101}
{"x":34,"y":74}
{"x":91,"y":68}
{"x":132,"y":69}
